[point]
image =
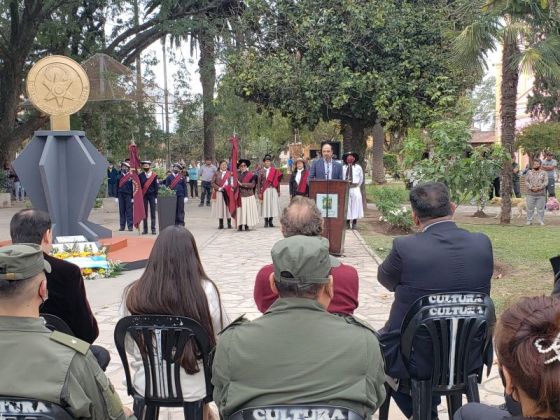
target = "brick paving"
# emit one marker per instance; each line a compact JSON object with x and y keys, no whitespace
{"x":232,"y":260}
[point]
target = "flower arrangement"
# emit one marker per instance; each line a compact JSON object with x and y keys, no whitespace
{"x":99,"y":265}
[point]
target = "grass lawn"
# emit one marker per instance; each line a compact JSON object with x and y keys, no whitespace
{"x":521,"y":255}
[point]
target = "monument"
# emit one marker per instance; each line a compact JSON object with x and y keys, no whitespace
{"x":60,"y":169}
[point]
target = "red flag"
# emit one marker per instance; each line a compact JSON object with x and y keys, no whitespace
{"x":138,"y":211}
{"x":234,"y":157}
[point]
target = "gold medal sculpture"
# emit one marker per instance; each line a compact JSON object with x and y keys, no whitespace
{"x":59,"y":87}
{"x":60,"y":169}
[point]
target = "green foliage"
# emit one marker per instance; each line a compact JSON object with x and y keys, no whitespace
{"x":390,"y":163}
{"x":389,"y":203}
{"x":165,"y":191}
{"x":483,"y":100}
{"x":537,"y":138}
{"x":544,"y":101}
{"x":467,"y":171}
{"x":365,"y":61}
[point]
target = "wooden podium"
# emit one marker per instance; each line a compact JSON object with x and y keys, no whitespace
{"x":331,"y":198}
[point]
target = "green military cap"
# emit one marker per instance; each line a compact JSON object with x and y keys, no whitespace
{"x":302,"y":259}
{"x":22,"y":261}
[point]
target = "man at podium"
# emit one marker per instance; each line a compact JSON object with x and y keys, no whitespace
{"x":325,"y":167}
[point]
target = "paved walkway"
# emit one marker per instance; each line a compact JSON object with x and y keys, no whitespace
{"x":232,"y":260}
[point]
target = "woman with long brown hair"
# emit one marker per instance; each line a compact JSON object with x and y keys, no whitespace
{"x":175,"y":283}
{"x":527,"y":343}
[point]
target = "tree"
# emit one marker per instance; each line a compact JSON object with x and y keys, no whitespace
{"x":32,"y":29}
{"x":206,"y":29}
{"x":358,"y":62}
{"x":467,"y":171}
{"x":484,"y":104}
{"x":544,"y":102}
{"x":525,"y":30}
{"x":539,"y":137}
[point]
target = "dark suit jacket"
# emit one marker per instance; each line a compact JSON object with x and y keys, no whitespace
{"x":153,"y":188}
{"x":444,"y":258}
{"x":126,"y":189}
{"x":68,"y":300}
{"x":318,"y":170}
{"x":180,"y":188}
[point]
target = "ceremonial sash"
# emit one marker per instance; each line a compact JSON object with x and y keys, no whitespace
{"x":176,"y":181}
{"x":247,"y":178}
{"x":302,"y":187}
{"x":148,"y":183}
{"x":124,"y":179}
{"x":221,"y":182}
{"x":272,"y":179}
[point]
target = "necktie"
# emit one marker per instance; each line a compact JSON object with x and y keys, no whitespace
{"x":328,"y":174}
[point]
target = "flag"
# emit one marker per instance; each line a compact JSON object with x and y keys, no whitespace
{"x":233,"y":204}
{"x":138,"y":211}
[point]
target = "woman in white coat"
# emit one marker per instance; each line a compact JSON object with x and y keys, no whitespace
{"x":353,"y":173}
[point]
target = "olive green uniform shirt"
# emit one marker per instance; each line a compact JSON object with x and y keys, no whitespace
{"x":298,"y":353}
{"x":40,"y":364}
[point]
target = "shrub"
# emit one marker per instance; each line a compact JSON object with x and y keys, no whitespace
{"x":165,"y":191}
{"x":399,"y":218}
{"x":390,"y":163}
{"x":389,"y":202}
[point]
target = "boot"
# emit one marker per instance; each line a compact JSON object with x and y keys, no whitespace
{"x":229,"y":223}
{"x":348,"y":224}
{"x":266,"y":222}
{"x":246,"y":228}
{"x":270,"y":222}
{"x":354,"y":224}
{"x":221,"y":226}
{"x":240,"y":228}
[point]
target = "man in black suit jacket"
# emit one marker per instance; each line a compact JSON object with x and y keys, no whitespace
{"x":441,"y":258}
{"x":325,"y":167}
{"x":65,"y":284}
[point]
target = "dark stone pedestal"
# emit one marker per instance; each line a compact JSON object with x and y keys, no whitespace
{"x":61,"y":172}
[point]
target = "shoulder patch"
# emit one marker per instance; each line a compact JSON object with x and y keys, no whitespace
{"x":354,"y":320}
{"x":69,"y":341}
{"x":236,"y":322}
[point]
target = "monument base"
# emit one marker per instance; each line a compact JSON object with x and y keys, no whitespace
{"x":62,"y":172}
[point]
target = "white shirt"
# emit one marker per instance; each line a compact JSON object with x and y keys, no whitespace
{"x":267,"y":171}
{"x":298,"y":175}
{"x":148,"y":174}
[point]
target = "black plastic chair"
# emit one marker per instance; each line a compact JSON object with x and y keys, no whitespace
{"x":295,"y":412}
{"x":15,"y":408}
{"x":163,"y":338}
{"x":54,"y":323}
{"x":459,"y":326}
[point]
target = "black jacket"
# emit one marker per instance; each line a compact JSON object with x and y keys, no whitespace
{"x":153,"y":188}
{"x":68,"y":300}
{"x":444,"y":258}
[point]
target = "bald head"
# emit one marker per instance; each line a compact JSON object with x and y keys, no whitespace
{"x":301,"y":217}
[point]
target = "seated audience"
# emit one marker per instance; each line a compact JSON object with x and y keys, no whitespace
{"x":298,"y":353}
{"x":440,"y":258}
{"x":527,"y":342}
{"x":174,"y":283}
{"x":302,"y":217}
{"x":67,"y":293}
{"x":38,"y":363}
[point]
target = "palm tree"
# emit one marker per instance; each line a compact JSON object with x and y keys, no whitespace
{"x":206,"y":30}
{"x":527,"y":30}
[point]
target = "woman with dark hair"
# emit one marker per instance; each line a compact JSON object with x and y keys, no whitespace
{"x":174,"y":283}
{"x":298,"y":180}
{"x":527,"y":343}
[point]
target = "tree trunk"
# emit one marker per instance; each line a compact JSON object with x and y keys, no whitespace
{"x":207,"y":68}
{"x":377,"y":167}
{"x":508,"y":105}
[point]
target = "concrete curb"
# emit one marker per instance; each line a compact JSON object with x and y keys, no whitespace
{"x":373,"y":255}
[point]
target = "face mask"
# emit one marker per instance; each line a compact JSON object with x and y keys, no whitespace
{"x":175,"y":171}
{"x":125,"y":170}
{"x":350,"y":160}
{"x":146,"y":169}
